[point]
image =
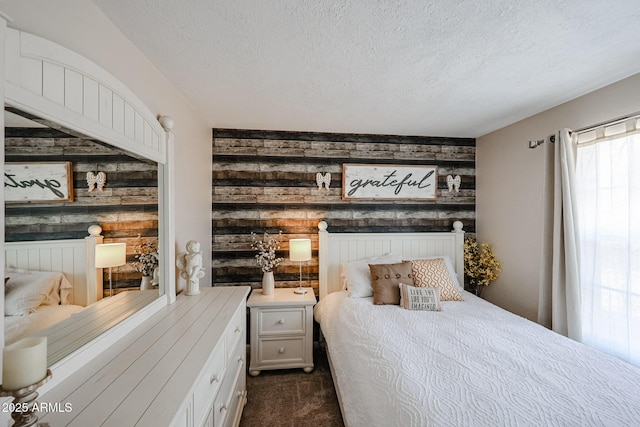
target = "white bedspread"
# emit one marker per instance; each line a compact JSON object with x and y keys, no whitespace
{"x":16,"y":327}
{"x":472,"y":364}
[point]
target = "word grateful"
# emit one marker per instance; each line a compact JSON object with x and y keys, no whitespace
{"x":51,"y":184}
{"x":390,"y":181}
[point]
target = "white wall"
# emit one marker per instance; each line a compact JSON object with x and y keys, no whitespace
{"x":510,"y":188}
{"x":80,"y":26}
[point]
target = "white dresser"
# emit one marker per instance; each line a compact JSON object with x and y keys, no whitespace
{"x":281,"y":330}
{"x":184,"y":367}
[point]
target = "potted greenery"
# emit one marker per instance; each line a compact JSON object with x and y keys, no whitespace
{"x":266,"y":258}
{"x":481,"y":266}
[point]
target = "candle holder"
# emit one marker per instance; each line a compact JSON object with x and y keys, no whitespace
{"x":23,"y":402}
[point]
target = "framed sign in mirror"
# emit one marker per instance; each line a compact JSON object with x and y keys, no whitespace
{"x":38,"y":182}
{"x":389,"y":182}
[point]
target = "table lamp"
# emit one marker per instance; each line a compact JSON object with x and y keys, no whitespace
{"x":111,"y":255}
{"x":300,"y":250}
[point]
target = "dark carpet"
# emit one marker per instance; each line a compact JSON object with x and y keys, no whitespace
{"x":292,"y":398}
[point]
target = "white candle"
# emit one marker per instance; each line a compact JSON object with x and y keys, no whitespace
{"x":24,"y":363}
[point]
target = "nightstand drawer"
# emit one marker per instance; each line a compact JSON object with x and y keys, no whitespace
{"x":281,"y":330}
{"x":283,"y":350}
{"x":281,"y":321}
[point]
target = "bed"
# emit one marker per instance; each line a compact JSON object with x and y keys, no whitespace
{"x":48,"y":281}
{"x":471,"y":363}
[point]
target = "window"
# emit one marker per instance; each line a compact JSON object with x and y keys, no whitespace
{"x":608,"y":201}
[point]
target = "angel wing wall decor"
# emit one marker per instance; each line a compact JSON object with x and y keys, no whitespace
{"x":453,"y":183}
{"x":323,"y":179}
{"x":96,"y":181}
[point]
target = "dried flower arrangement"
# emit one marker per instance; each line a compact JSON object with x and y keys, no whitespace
{"x":147,"y":258}
{"x":481,"y":266}
{"x":267,"y":247}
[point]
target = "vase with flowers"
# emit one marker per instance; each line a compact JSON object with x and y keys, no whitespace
{"x":266,"y":258}
{"x":146,"y":255}
{"x":481,"y":266}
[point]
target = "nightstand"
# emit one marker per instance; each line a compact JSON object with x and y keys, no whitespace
{"x":281,"y":330}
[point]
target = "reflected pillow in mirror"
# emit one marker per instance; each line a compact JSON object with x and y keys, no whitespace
{"x":27,"y":290}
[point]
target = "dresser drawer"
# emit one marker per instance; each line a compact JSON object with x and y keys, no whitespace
{"x":225,"y":402}
{"x":237,"y":402}
{"x":237,"y":359}
{"x":236,"y":329}
{"x":184,"y":416}
{"x":281,"y":321}
{"x":281,"y":350}
{"x":209,"y":382}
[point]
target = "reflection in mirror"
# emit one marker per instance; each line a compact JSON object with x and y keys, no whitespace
{"x":109,"y":187}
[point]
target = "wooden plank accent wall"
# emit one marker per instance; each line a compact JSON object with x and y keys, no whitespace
{"x":126,"y":209}
{"x":266,"y":181}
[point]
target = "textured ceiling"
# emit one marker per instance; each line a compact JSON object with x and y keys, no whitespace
{"x":419,"y":67}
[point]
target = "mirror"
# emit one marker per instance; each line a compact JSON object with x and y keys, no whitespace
{"x":120,"y":194}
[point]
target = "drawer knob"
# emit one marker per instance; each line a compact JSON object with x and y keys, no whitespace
{"x":281,"y":321}
{"x":237,"y":329}
{"x":281,"y":351}
{"x":240,"y":359}
{"x":214,"y":378}
{"x":225,"y":406}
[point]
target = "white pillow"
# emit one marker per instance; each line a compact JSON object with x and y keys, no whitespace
{"x":65,"y":290}
{"x":448,"y":263}
{"x":357,"y":276}
{"x":27,"y":290}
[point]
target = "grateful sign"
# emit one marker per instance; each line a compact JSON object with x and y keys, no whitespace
{"x":389,"y":182}
{"x":38,"y":182}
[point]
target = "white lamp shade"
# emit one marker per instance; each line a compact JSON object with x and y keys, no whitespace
{"x":300,"y":249}
{"x":111,"y":255}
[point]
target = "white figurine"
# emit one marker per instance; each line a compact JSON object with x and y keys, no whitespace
{"x":323,"y":180}
{"x":190,"y":265}
{"x":453,"y":183}
{"x":94,"y":181}
{"x":155,"y":280}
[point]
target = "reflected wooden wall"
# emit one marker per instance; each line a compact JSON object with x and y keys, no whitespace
{"x":127,"y":207}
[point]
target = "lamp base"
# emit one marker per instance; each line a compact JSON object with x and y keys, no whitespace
{"x":300,"y":291}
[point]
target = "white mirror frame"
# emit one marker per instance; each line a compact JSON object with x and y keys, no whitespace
{"x":52,"y":82}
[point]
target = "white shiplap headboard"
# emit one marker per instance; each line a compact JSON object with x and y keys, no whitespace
{"x":75,"y":258}
{"x":337,"y":248}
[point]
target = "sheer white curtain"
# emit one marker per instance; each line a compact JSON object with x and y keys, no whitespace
{"x":608,"y":196}
{"x":559,"y":298}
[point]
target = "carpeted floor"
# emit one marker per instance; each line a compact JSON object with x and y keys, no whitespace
{"x":292,"y":398}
